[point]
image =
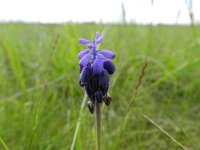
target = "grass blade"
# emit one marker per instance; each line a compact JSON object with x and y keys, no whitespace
{"x":3,"y":144}
{"x":46,"y":78}
{"x":132,"y":101}
{"x":164,"y":132}
{"x":78,"y":122}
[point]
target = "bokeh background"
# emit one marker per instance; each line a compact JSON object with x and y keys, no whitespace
{"x":42,"y":104}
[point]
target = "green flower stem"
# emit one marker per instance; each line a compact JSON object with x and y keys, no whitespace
{"x":98,"y":125}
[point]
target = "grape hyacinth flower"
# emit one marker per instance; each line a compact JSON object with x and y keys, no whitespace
{"x":95,"y":67}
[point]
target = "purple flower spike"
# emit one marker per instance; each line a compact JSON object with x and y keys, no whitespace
{"x":108,"y":54}
{"x":85,"y":60}
{"x":83,"y":41}
{"x":95,"y":67}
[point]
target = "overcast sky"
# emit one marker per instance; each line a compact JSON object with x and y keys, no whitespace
{"x":140,"y":11}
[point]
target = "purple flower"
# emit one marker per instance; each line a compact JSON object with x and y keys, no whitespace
{"x":95,"y":67}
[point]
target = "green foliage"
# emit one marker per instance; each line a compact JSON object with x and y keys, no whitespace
{"x":40,"y":98}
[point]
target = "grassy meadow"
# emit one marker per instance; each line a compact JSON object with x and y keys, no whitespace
{"x":40,"y":98}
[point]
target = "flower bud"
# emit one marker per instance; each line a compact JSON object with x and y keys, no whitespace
{"x":98,"y":35}
{"x":108,"y":54}
{"x":83,"y":41}
{"x":99,"y":40}
{"x":90,"y":105}
{"x":107,"y":100}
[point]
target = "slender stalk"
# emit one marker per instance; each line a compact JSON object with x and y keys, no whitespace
{"x":98,"y":125}
{"x":78,"y":122}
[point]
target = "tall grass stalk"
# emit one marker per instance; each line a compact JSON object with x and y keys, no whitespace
{"x":135,"y":92}
{"x":195,"y":147}
{"x":132,"y":101}
{"x":44,"y":87}
{"x":164,"y":132}
{"x":36,"y":116}
{"x":78,"y":122}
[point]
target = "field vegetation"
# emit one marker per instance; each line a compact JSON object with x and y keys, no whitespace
{"x":40,"y":98}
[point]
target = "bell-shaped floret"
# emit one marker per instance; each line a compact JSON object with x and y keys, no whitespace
{"x":109,"y":66}
{"x":104,"y":82}
{"x":108,"y":54}
{"x":89,"y":91}
{"x":97,"y":35}
{"x":97,"y":66}
{"x":86,"y":75}
{"x":104,"y":79}
{"x":85,"y":60}
{"x":83,"y":53}
{"x":99,"y":40}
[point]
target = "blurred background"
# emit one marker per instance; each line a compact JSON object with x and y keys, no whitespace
{"x":42,"y":104}
{"x":112,"y":11}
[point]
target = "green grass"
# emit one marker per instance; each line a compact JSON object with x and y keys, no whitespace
{"x":40,"y":98}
